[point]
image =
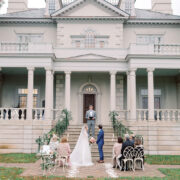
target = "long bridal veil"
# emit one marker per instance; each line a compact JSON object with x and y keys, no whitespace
{"x":81,"y":155}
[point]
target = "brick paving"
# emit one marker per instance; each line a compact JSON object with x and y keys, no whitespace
{"x":96,"y":171}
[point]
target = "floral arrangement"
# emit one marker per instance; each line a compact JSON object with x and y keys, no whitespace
{"x":92,"y":140}
{"x":119,"y":128}
{"x":58,"y":129}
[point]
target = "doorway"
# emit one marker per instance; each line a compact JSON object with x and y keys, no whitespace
{"x":88,"y":99}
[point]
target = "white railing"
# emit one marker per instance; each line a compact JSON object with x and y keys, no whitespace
{"x":123,"y":115}
{"x":160,"y":115}
{"x":167,"y":49}
{"x":142,"y":114}
{"x":38,"y":113}
{"x":56,"y":114}
{"x":168,"y":115}
{"x":13,"y":47}
{"x":13,"y":113}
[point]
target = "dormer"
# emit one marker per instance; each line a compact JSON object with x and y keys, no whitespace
{"x":127,"y":6}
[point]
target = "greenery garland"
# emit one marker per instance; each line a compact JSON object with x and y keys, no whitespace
{"x":58,"y":129}
{"x":119,"y":128}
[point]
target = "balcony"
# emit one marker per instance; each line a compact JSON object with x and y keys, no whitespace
{"x":154,"y":49}
{"x":9,"y":47}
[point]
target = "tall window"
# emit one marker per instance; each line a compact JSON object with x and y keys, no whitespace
{"x":27,"y":37}
{"x":128,"y":6}
{"x":52,"y":6}
{"x":149,"y":39}
{"x":23,"y":97}
{"x":90,"y":39}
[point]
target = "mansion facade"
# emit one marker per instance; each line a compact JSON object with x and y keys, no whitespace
{"x":74,"y":53}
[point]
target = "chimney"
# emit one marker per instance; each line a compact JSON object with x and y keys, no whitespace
{"x":17,"y":5}
{"x":162,"y":6}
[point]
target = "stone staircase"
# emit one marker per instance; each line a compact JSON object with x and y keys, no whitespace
{"x":74,"y":132}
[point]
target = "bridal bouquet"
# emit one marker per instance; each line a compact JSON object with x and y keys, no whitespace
{"x":92,"y":140}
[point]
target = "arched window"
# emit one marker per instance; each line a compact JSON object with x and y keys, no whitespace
{"x":89,"y":89}
{"x":90,"y":39}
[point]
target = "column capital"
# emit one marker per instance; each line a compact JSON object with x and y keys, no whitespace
{"x":132,"y":70}
{"x":113,"y":72}
{"x":48,"y":68}
{"x":150,"y":69}
{"x":30,"y":68}
{"x":67,"y":72}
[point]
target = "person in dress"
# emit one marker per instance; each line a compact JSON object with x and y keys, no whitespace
{"x":63,"y":149}
{"x":117,"y":150}
{"x":54,"y":143}
{"x":81,"y":155}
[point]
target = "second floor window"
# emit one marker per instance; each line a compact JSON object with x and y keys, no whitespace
{"x":29,"y":38}
{"x":90,"y":39}
{"x":149,"y":39}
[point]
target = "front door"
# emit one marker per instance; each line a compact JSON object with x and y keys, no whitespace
{"x":88,"y":99}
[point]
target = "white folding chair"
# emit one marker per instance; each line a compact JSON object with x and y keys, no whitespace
{"x":128,"y":157}
{"x":138,"y":156}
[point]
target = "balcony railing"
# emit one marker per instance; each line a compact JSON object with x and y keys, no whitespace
{"x":155,"y":49}
{"x":7,"y":47}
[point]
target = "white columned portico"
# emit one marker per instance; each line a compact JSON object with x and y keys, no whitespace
{"x":150,"y":93}
{"x":30,"y":92}
{"x":68,"y":90}
{"x":113,"y":90}
{"x":132,"y":93}
{"x":49,"y":93}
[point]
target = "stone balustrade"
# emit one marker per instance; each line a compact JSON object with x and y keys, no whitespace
{"x":142,"y":114}
{"x":123,"y":115}
{"x":13,"y":113}
{"x":166,"y":49}
{"x":8,"y":47}
{"x":38,"y":113}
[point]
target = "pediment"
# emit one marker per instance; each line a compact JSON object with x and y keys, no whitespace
{"x":90,"y":8}
{"x":90,"y":57}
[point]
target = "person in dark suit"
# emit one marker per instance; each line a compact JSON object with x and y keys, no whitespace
{"x":127,"y":143}
{"x":100,"y":143}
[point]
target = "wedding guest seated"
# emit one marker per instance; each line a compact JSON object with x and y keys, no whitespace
{"x":117,"y":151}
{"x":63,"y":149}
{"x":138,"y":144}
{"x":54,"y":143}
{"x":132,"y":138}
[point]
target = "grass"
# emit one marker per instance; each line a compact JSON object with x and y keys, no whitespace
{"x":14,"y":174}
{"x":163,"y":159}
{"x":18,"y":158}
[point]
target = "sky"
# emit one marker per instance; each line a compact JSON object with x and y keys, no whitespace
{"x":142,"y":4}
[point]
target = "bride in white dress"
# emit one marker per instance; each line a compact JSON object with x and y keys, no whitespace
{"x":81,"y":155}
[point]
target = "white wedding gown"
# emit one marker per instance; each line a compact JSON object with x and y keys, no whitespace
{"x":81,"y":155}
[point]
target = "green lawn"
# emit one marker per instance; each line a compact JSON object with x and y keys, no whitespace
{"x":163,"y":159}
{"x":14,"y":174}
{"x":18,"y":158}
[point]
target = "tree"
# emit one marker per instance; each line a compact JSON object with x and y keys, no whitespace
{"x":1,"y":3}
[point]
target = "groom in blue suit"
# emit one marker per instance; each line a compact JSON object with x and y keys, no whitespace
{"x":100,"y":143}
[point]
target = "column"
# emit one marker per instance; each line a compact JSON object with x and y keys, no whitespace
{"x":68,"y":90}
{"x":49,"y":94}
{"x":128,"y":89}
{"x":132,"y":94}
{"x":30,"y":92}
{"x":113,"y":91}
{"x":150,"y":93}
{"x":178,"y":91}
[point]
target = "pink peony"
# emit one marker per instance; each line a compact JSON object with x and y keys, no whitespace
{"x":92,"y":140}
